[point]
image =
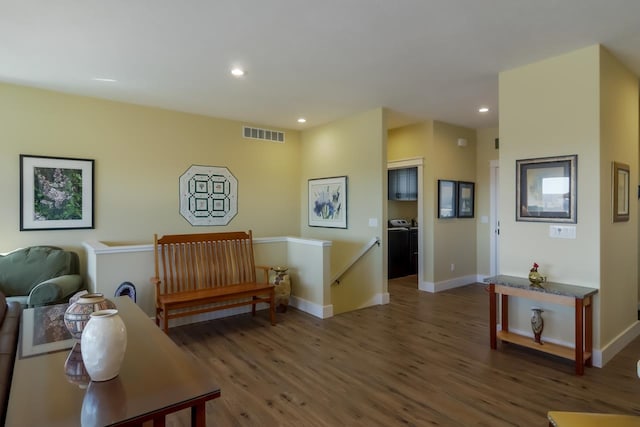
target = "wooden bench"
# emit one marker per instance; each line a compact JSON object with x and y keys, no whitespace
{"x":198,"y":273}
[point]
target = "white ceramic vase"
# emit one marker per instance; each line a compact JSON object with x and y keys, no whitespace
{"x":103,"y":344}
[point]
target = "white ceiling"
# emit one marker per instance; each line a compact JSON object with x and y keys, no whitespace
{"x":323,"y":60}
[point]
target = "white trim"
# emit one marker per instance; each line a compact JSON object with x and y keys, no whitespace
{"x":322,"y":312}
{"x":493,"y":217}
{"x":97,"y":247}
{"x":447,"y":284}
{"x":405,"y":163}
{"x":419,"y":163}
{"x":383,"y":298}
{"x":603,"y":355}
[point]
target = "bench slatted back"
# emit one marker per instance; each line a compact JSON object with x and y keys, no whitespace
{"x":188,"y":262}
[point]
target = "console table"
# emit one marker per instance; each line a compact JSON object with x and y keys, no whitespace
{"x":578,"y":297}
{"x":156,"y":378}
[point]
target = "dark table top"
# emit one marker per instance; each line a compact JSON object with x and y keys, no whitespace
{"x":155,"y":375}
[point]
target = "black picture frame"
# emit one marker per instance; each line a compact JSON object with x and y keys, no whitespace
{"x":447,"y":198}
{"x":466,"y":199}
{"x":546,"y":189}
{"x":56,"y":193}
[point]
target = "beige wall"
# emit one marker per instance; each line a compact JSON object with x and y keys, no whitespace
{"x":450,"y":241}
{"x":415,"y":142}
{"x":618,"y":241}
{"x":355,"y":147}
{"x":485,"y":153}
{"x":571,"y":104}
{"x":139,"y":154}
{"x":455,"y":239}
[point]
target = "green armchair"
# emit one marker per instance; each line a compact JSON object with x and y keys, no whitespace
{"x":40,"y":275}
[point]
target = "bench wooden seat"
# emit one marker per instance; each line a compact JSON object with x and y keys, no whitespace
{"x":198,"y":273}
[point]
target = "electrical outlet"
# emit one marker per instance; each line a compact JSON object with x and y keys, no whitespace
{"x":453,"y":267}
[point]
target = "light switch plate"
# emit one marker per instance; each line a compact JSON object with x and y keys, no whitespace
{"x":373,"y":222}
{"x":562,"y":231}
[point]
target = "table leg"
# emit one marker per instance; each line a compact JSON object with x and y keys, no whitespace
{"x":588,"y":329}
{"x":492,"y":316}
{"x":199,"y":415}
{"x":504,"y":310}
{"x":579,"y":337}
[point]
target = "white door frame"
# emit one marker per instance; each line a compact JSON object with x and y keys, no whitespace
{"x":417,"y":162}
{"x":494,"y":219}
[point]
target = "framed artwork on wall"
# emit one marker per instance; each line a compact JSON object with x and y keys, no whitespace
{"x":620,"y":192}
{"x":56,"y":193}
{"x":447,"y":198}
{"x":208,"y":195}
{"x":546,"y":189}
{"x":328,"y":202}
{"x":466,"y":197}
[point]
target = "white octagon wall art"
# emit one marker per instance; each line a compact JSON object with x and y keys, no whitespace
{"x":208,"y":195}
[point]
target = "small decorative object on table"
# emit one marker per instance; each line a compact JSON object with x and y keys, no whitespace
{"x":534,"y":277}
{"x":80,"y":307}
{"x":103,"y":344}
{"x":282,"y":284}
{"x":537,"y":323}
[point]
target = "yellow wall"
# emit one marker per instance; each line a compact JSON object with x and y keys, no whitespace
{"x":583,"y":103}
{"x":485,"y":153}
{"x":455,"y":239}
{"x":139,"y":154}
{"x":355,"y":147}
{"x":446,"y":241}
{"x":411,"y":142}
{"x":618,"y":241}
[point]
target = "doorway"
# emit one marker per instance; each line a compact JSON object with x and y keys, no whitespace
{"x":410,"y":211}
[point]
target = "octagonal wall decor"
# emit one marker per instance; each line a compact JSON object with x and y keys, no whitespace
{"x":208,"y":195}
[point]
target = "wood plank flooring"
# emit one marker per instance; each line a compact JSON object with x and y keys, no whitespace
{"x":424,"y":359}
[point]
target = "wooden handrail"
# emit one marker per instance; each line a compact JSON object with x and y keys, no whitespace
{"x":364,"y":250}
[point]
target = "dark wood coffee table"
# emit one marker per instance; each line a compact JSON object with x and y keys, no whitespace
{"x":157,"y":378}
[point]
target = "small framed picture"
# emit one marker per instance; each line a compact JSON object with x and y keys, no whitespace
{"x":328,"y":202}
{"x":447,"y":198}
{"x":55,"y":193}
{"x":620,"y":191}
{"x":466,"y":192}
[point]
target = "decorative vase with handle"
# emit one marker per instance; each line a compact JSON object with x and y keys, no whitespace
{"x":103,"y":345}
{"x":537,"y":323}
{"x":77,"y":314}
{"x":282,"y":284}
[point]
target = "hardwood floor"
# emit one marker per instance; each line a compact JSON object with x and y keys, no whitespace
{"x":423,"y":359}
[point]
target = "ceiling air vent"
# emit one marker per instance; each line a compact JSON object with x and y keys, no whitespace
{"x":263,"y":134}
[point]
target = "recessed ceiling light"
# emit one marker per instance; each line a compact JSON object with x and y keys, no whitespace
{"x":483,"y":110}
{"x":302,"y":120}
{"x":102,"y":79}
{"x":237,"y":72}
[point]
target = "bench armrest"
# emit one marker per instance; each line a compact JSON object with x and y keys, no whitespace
{"x":54,"y":290}
{"x":265,"y":271}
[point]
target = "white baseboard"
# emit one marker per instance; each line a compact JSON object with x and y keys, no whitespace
{"x":602,"y":356}
{"x":447,"y":284}
{"x":317,"y":310}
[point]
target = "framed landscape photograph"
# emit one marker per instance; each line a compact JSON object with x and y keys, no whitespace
{"x":466,"y":196}
{"x":328,"y":202}
{"x":55,"y":193}
{"x":447,"y":198}
{"x":546,"y":189}
{"x":620,"y":189}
